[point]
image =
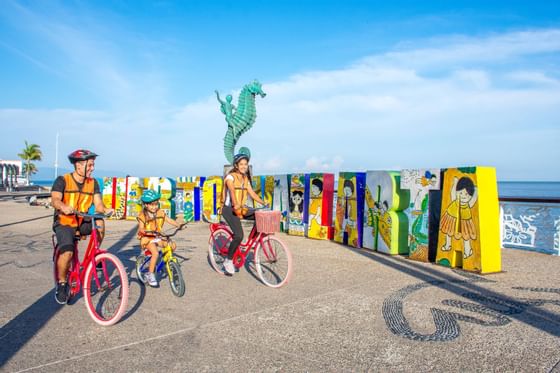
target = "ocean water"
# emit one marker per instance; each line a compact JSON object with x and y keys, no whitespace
{"x":543,"y":189}
{"x":47,"y":183}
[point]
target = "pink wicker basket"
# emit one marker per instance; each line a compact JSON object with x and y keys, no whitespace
{"x":268,"y":221}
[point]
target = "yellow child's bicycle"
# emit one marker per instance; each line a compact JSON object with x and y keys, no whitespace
{"x":166,"y":260}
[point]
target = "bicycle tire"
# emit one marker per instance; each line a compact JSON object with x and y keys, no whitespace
{"x":119,"y":290}
{"x":273,"y":261}
{"x":176,"y":279}
{"x":218,"y":239}
{"x":142,"y":264}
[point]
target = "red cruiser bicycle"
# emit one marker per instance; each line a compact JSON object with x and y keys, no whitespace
{"x":101,"y":275}
{"x":272,"y":258}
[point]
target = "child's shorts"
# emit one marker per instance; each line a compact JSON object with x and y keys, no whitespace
{"x":145,"y":241}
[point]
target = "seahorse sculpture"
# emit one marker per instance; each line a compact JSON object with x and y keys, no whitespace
{"x":241,"y":118}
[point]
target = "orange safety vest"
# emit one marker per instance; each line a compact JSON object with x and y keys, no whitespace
{"x":240,"y":185}
{"x":79,"y":199}
{"x":153,"y":224}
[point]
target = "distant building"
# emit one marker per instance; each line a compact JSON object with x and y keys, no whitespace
{"x":11,"y":174}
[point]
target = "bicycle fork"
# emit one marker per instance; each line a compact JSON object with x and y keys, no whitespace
{"x":268,"y":251}
{"x":167,"y":254}
{"x":103,"y":270}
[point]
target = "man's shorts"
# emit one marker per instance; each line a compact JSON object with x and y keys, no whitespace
{"x":65,"y":235}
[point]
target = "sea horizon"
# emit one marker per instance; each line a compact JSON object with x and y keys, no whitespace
{"x":540,"y":189}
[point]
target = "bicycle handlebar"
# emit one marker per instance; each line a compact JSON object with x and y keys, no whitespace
{"x":93,"y":216}
{"x":156,"y":233}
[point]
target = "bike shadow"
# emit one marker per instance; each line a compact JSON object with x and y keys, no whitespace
{"x":182,"y":258}
{"x":184,"y":250}
{"x":17,"y":332}
{"x":250,"y":266}
{"x":22,"y":328}
{"x":128,"y":258}
{"x":138,"y":301}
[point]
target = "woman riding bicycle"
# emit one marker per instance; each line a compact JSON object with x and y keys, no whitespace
{"x":238,"y":186}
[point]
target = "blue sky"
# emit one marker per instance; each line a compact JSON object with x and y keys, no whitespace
{"x":352,"y":85}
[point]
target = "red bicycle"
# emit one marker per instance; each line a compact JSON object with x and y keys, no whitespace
{"x":272,"y":258}
{"x":104,"y":281}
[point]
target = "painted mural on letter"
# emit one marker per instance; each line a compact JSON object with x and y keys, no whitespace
{"x":421,"y":183}
{"x":385,"y":223}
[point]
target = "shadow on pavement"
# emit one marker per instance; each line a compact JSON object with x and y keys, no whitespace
{"x":21,"y":329}
{"x":26,"y":221}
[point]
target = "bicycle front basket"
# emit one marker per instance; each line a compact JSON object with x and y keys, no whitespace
{"x":268,"y":221}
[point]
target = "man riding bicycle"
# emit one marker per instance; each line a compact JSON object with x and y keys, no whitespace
{"x":71,"y":193}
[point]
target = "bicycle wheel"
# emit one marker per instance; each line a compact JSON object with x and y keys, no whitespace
{"x":106,"y":299}
{"x":218,"y":245}
{"x":176,"y":279}
{"x":273,"y":261}
{"x":142,"y":267}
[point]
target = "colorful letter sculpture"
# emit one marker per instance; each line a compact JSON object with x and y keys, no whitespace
{"x":469,"y":234}
{"x":423,"y":222}
{"x":101,"y":183}
{"x":280,"y":199}
{"x":297,"y":213}
{"x":133,"y":195}
{"x":211,"y":196}
{"x":188,"y":193}
{"x":167,"y":188}
{"x":107,"y":192}
{"x":198,"y":197}
{"x":348,"y":225}
{"x":264,"y":187}
{"x":319,"y":219}
{"x":114,"y":196}
{"x":385,"y":225}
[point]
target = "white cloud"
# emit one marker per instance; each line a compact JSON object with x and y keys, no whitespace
{"x":271,"y":165}
{"x":434,"y":105}
{"x":461,"y":50}
{"x":532,"y":77}
{"x":322,"y":164}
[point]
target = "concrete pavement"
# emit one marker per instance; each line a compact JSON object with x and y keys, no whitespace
{"x":343,"y":310}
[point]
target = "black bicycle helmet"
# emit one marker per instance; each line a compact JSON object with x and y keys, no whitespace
{"x":81,"y":155}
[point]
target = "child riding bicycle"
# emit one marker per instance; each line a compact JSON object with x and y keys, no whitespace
{"x":237,"y":186}
{"x":152,"y":219}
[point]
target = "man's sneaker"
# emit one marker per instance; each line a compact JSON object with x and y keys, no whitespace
{"x":61,"y":294}
{"x":151,"y":278}
{"x":229,"y":267}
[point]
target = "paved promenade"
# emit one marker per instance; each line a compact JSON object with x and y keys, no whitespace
{"x":344,"y":310}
